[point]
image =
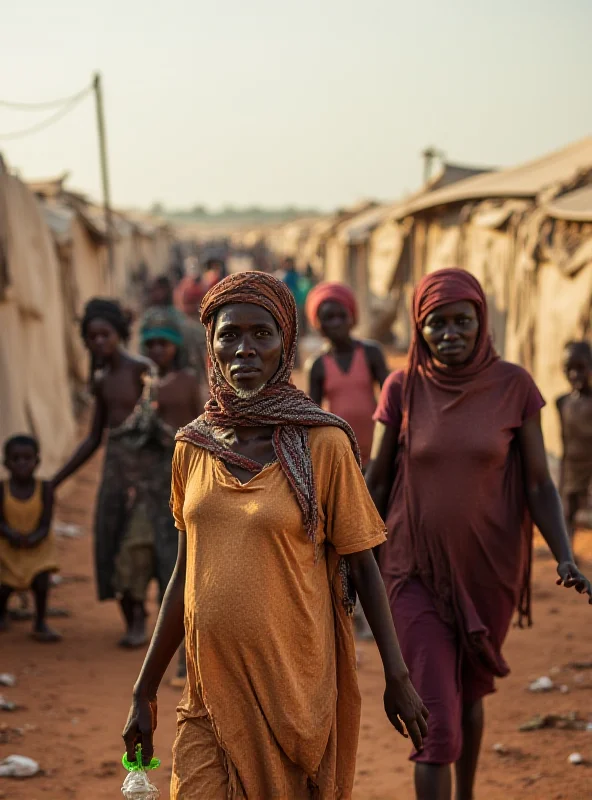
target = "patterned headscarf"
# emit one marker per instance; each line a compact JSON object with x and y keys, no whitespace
{"x":278,"y":403}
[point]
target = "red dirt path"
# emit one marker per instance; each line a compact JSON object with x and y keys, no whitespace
{"x":76,"y":695}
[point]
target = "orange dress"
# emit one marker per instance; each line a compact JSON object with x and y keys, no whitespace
{"x":18,"y":568}
{"x":271,"y":706}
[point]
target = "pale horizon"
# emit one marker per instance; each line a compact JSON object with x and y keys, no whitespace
{"x":315,"y":104}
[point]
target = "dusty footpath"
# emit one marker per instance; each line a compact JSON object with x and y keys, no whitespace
{"x":75,"y":695}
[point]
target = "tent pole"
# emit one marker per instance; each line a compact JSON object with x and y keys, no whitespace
{"x":98,"y":89}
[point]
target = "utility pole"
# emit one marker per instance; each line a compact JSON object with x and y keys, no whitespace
{"x":429,"y":155}
{"x":98,"y":88}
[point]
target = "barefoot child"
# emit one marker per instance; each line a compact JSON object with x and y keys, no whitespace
{"x":27,"y":551}
{"x":119,"y":381}
{"x":348,"y":373}
{"x":575,"y":411}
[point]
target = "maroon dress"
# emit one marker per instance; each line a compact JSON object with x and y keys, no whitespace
{"x":458,"y":549}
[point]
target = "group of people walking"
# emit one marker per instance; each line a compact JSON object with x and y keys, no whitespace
{"x":421,"y":505}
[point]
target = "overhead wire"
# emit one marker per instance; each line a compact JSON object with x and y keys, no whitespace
{"x":67,"y":105}
{"x":44,"y":105}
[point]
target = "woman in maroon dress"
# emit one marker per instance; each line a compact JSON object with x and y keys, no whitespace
{"x":458,"y":471}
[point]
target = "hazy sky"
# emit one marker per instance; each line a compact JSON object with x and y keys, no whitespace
{"x":315,"y":102}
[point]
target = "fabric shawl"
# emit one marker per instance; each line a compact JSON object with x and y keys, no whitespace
{"x":279,"y":403}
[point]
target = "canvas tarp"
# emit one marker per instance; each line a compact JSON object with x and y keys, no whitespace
{"x":34,"y":387}
{"x":526,"y":180}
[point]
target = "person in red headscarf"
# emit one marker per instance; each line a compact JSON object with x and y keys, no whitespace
{"x":346,"y":375}
{"x":458,"y":470}
{"x":276,"y":527}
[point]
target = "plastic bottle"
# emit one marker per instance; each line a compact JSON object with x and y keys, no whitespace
{"x":137,"y":785}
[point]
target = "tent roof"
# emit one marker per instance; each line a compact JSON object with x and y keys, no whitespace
{"x":358,"y":229}
{"x":526,"y":180}
{"x":575,"y":206}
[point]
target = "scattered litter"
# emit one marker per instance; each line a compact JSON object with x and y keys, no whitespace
{"x":589,"y":727}
{"x":570,"y":722}
{"x":66,"y":530}
{"x":514,"y":753}
{"x":18,"y":767}
{"x":579,"y":665}
{"x":7,"y":705}
{"x":6,"y":679}
{"x":564,"y":689}
{"x":544,"y":684}
{"x":555,"y":670}
{"x":575,"y":759}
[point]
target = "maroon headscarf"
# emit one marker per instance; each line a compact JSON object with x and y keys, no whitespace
{"x":434,"y":290}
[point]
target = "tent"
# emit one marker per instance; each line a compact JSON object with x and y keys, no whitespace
{"x":34,"y":387}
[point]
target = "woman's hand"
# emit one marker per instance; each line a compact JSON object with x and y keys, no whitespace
{"x":140,"y":727}
{"x":403,"y":705}
{"x":570,"y":576}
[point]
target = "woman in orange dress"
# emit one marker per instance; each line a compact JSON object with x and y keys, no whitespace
{"x":276,"y":528}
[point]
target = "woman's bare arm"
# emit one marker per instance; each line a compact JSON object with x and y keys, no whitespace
{"x":401,"y":700}
{"x":88,"y":447}
{"x":380,"y":473}
{"x":166,"y":640}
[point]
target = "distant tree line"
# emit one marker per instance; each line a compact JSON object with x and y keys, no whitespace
{"x":201,"y":212}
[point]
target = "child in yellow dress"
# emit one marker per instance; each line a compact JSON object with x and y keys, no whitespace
{"x":27,"y":547}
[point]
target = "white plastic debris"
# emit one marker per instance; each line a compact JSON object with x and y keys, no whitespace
{"x":544,"y":684}
{"x":18,"y":767}
{"x":589,"y":727}
{"x":564,"y":689}
{"x":6,"y":679}
{"x":576,"y":759}
{"x":500,"y":749}
{"x":137,"y":786}
{"x":6,"y":705}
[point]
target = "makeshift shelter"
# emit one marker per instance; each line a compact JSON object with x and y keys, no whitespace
{"x":34,"y":387}
{"x":80,"y":245}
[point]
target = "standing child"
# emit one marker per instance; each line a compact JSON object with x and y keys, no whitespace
{"x":27,"y":548}
{"x":121,"y":384}
{"x":575,"y":411}
{"x":348,"y":373}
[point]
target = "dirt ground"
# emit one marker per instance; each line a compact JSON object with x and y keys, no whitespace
{"x":75,"y":695}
